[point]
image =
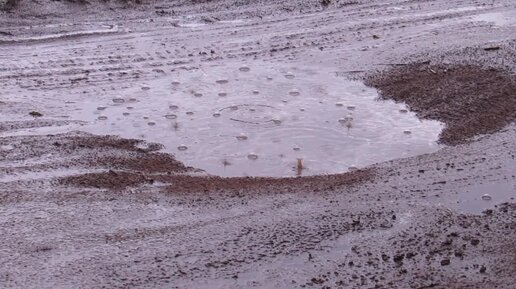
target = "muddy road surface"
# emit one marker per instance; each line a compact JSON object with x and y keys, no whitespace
{"x":370,"y":144}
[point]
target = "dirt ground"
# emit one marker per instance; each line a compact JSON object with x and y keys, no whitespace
{"x":79,"y":210}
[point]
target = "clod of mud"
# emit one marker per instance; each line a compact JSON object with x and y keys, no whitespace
{"x":470,"y":100}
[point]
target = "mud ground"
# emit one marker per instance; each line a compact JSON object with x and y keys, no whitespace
{"x":84,"y":211}
{"x":470,"y":100}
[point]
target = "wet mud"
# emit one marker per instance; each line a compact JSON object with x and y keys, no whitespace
{"x":85,"y":210}
{"x":470,"y":100}
{"x":213,"y":184}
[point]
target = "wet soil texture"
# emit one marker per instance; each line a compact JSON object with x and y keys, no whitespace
{"x":83,"y":210}
{"x":470,"y":100}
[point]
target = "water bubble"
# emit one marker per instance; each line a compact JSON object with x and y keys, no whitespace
{"x":145,"y":117}
{"x":276,"y":121}
{"x":182,"y":148}
{"x":302,"y":109}
{"x":284,"y":101}
{"x":176,"y":82}
{"x":407,"y":132}
{"x":189,"y":112}
{"x":197,"y":94}
{"x":129,"y":107}
{"x":486,"y":197}
{"x":101,"y":108}
{"x":252,"y":109}
{"x":252,"y":156}
{"x":151,"y":123}
{"x":294,"y":92}
{"x":173,"y":106}
{"x":233,"y":107}
{"x":339,"y":104}
{"x":269,"y":77}
{"x":216,"y":114}
{"x":241,"y":137}
{"x":118,"y":100}
{"x":170,"y":116}
{"x":351,"y":107}
{"x":222,"y":81}
{"x":256,"y":92}
{"x":290,"y":75}
{"x":145,"y":87}
{"x":403,"y":110}
{"x":244,"y":68}
{"x":132,"y":99}
{"x":296,"y":149}
{"x":102,"y":117}
{"x":222,"y":94}
{"x":125,"y":113}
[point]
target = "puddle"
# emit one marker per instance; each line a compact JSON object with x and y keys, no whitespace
{"x":476,"y":199}
{"x":507,"y":18}
{"x":256,"y":119}
{"x":93,"y":32}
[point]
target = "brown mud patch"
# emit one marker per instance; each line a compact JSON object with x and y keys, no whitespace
{"x":211,"y":184}
{"x":85,"y":151}
{"x":469,"y":100}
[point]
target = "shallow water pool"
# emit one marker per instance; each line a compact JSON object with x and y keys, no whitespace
{"x":256,"y":119}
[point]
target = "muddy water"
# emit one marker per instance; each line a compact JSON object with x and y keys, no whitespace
{"x":477,"y":198}
{"x":253,"y":119}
